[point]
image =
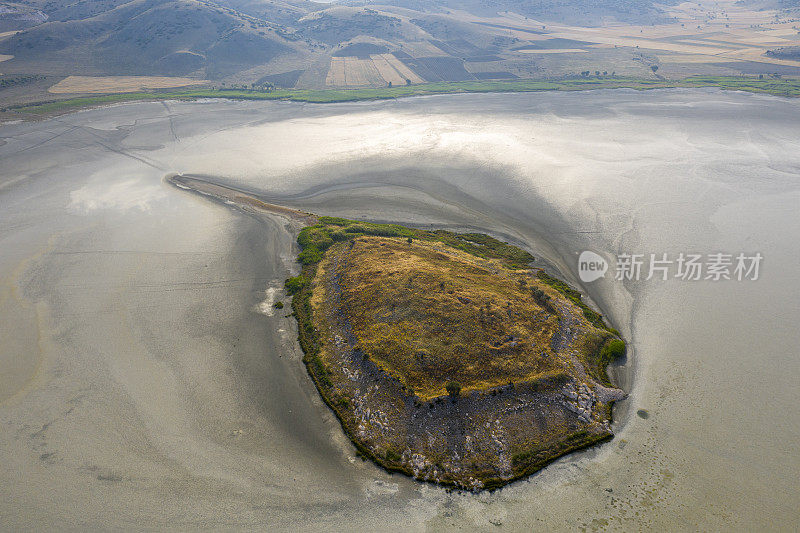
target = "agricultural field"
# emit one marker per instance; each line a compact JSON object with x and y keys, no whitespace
{"x":118,"y":84}
{"x":353,"y":71}
{"x":387,"y":63}
{"x":706,"y":38}
{"x":375,"y":70}
{"x":701,"y":37}
{"x":422,"y":49}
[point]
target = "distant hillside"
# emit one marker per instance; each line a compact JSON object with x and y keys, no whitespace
{"x":17,"y":17}
{"x":215,"y":40}
{"x":263,"y":44}
{"x":580,"y":12}
{"x":176,"y":37}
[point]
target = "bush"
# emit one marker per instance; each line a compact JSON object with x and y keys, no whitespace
{"x":314,"y":237}
{"x":453,"y":388}
{"x":339,"y":235}
{"x":295,"y":284}
{"x":612,"y":349}
{"x":310,"y":255}
{"x":278,"y":305}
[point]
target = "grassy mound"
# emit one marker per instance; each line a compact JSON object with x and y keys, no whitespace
{"x":431,"y":345}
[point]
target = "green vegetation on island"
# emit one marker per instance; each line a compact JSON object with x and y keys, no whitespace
{"x":447,"y":356}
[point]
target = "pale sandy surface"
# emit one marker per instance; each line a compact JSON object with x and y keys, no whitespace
{"x":146,"y":390}
{"x":118,"y":84}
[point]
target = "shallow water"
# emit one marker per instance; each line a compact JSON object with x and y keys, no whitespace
{"x":141,"y":386}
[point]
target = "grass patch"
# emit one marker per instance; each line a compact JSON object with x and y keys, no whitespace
{"x":595,"y":318}
{"x":314,"y":240}
{"x":599,"y":351}
{"x":440,"y":320}
{"x":776,"y":86}
{"x":295,"y":284}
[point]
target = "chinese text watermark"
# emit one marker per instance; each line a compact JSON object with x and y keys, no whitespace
{"x":715,"y":266}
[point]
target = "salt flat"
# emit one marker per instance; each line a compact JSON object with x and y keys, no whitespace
{"x":147,"y":390}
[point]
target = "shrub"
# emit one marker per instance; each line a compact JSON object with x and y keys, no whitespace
{"x":314,"y":237}
{"x":611,"y":350}
{"x":295,"y":284}
{"x":310,"y":255}
{"x":278,"y":305}
{"x":453,"y":388}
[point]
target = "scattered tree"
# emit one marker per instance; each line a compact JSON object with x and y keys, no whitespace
{"x":654,"y":68}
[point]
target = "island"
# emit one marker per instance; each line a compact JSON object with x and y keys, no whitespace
{"x":447,"y":356}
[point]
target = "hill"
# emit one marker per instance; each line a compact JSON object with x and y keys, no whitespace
{"x":266,"y":44}
{"x":445,"y":356}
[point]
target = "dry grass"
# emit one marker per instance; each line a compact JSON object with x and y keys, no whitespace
{"x":429,"y":314}
{"x":118,"y":84}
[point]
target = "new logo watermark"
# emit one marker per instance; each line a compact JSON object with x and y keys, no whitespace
{"x":715,"y":266}
{"x":591,"y":266}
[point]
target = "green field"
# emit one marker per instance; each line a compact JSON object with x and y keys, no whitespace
{"x":789,"y":87}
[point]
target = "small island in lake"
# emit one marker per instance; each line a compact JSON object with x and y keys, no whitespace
{"x":446,"y":356}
